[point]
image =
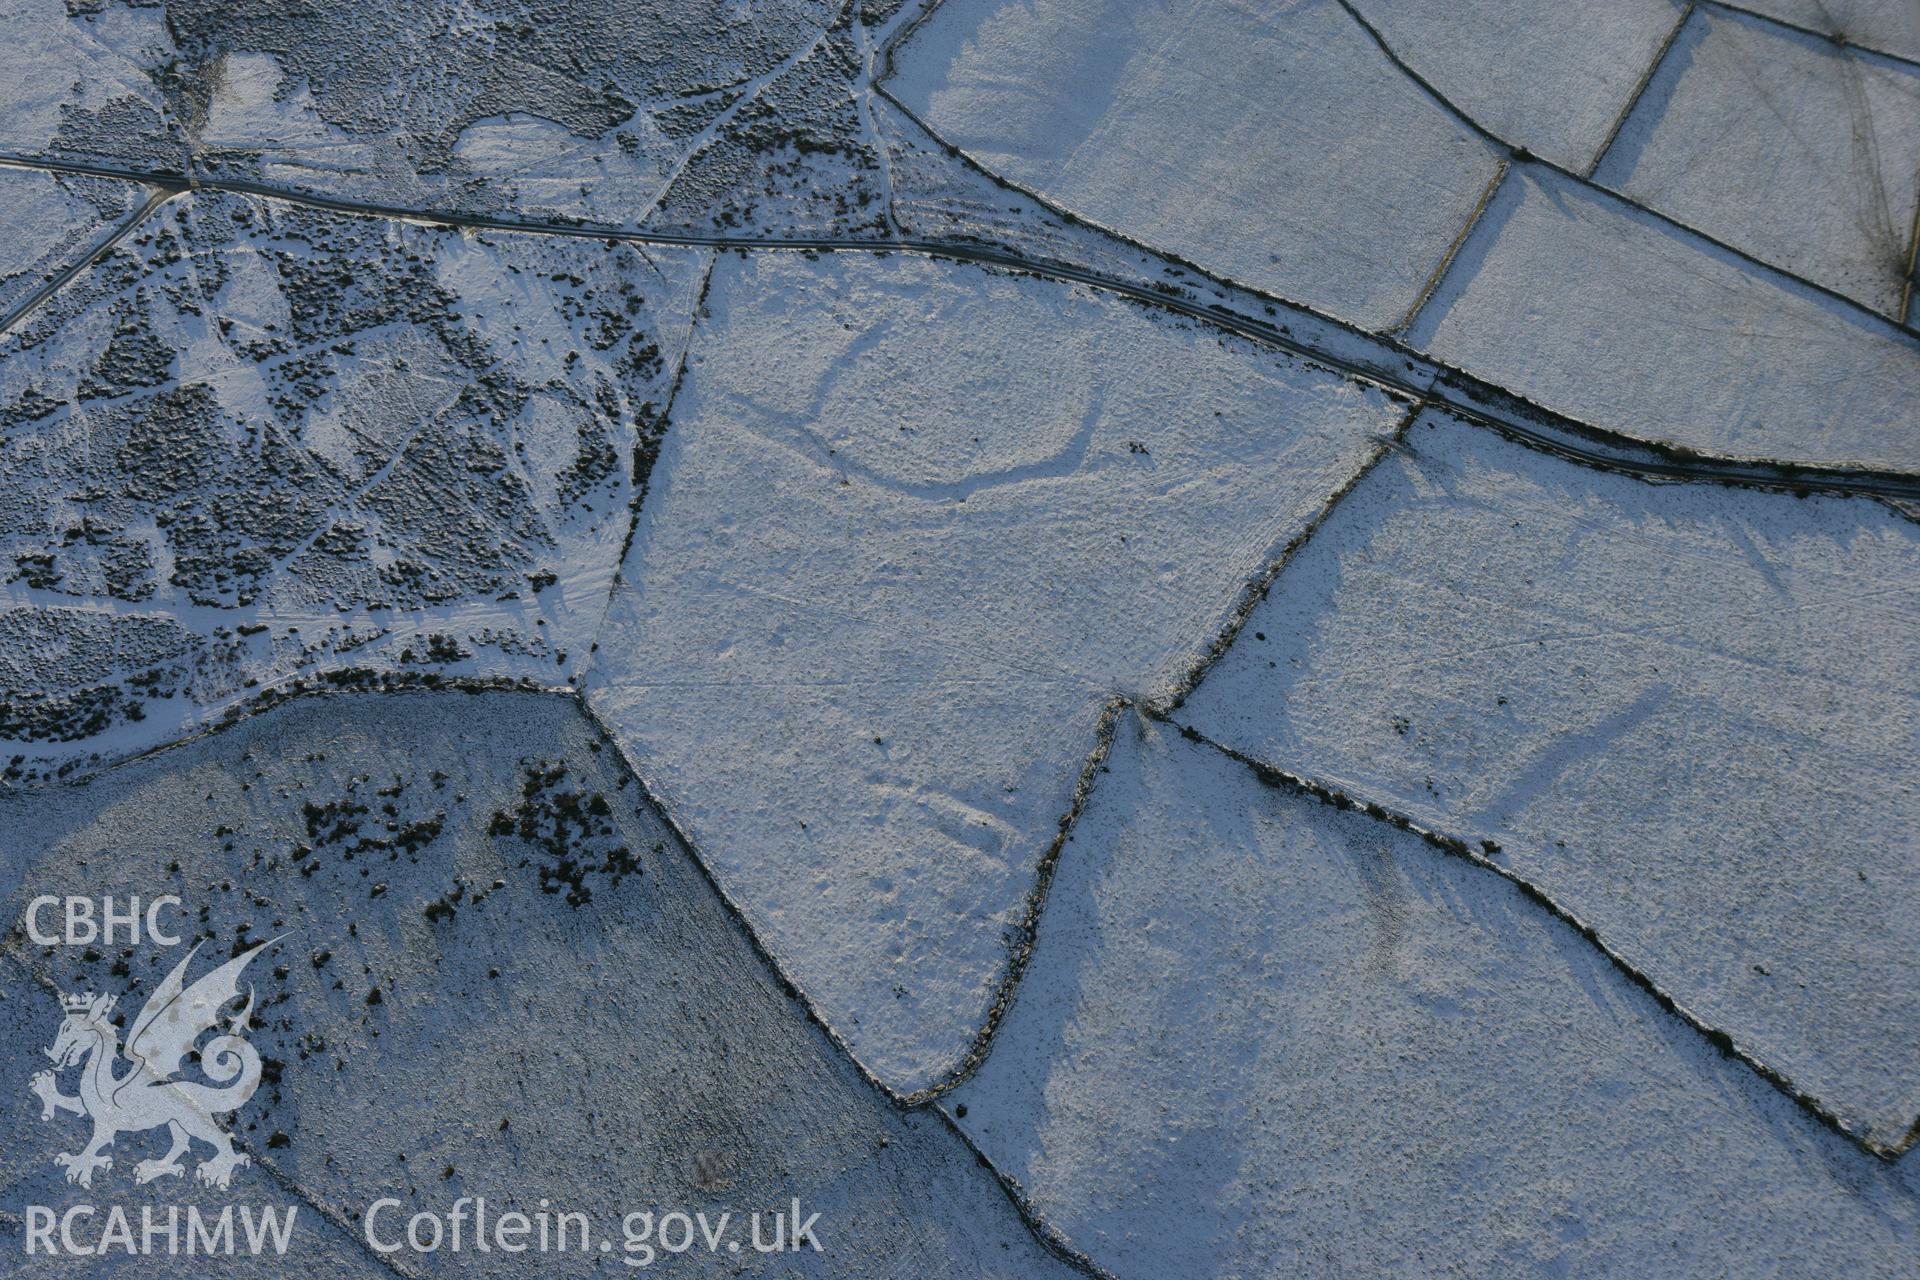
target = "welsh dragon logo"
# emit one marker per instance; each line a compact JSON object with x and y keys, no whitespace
{"x":149,"y":1093}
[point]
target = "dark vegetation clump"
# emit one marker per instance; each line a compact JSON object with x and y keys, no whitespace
{"x":571,"y":831}
{"x":352,"y":826}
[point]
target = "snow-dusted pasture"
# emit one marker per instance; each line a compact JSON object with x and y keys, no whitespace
{"x":1541,"y":74}
{"x":1181,"y":641}
{"x":1685,"y":712}
{"x":1801,"y":153}
{"x":1588,"y":307}
{"x":1263,"y":1036}
{"x":1272,"y":145}
{"x":899,"y":573}
{"x":498,"y":976}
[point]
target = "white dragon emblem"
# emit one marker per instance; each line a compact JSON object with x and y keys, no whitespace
{"x":149,"y":1094}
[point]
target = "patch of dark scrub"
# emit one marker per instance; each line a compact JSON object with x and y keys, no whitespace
{"x":571,"y":831}
{"x":66,"y":717}
{"x":437,"y":648}
{"x":357,"y":823}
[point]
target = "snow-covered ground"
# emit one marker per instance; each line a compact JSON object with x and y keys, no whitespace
{"x":1285,"y":149}
{"x":52,"y":222}
{"x":1171,"y":641}
{"x":605,"y":112}
{"x":1803,"y":153}
{"x":1262,"y":1035}
{"x":1585,"y":305}
{"x":1888,"y":26}
{"x":900,"y":571}
{"x":257,"y":443}
{"x":1095,"y":105}
{"x":1685,"y":712}
{"x":497,"y":975}
{"x":1554,"y":78}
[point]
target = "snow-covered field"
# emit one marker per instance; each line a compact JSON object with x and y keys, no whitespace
{"x":899,"y":573}
{"x":1588,"y":306}
{"x":1684,"y":712}
{"x":1263,"y":1035}
{"x":1094,"y":105}
{"x":498,"y":975}
{"x":1142,"y":640}
{"x":1796,"y":151}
